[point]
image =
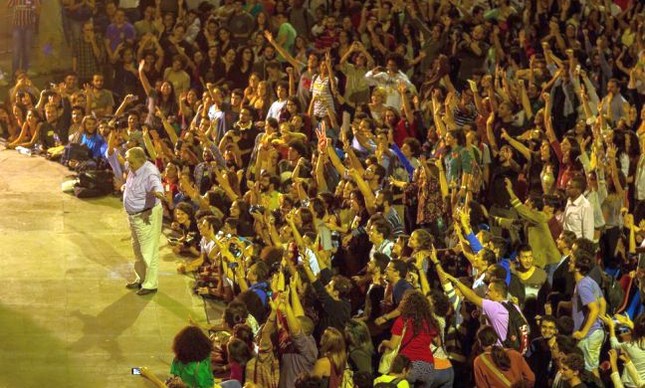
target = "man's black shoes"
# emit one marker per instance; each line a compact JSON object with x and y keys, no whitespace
{"x":133,"y":286}
{"x":146,"y":291}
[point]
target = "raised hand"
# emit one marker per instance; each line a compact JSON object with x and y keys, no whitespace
{"x":491,"y":118}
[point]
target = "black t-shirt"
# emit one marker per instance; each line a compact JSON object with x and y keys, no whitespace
{"x":48,"y":135}
{"x":497,"y":194}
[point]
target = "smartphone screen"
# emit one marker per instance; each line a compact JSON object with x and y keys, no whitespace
{"x":136,"y":371}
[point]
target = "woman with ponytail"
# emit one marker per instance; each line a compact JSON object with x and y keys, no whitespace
{"x":499,"y":367}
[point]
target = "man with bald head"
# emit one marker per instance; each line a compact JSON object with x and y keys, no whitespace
{"x":141,"y":199}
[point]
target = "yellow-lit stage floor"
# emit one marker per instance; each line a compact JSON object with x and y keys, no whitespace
{"x":66,"y":319}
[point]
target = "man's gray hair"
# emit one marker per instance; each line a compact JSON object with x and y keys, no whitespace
{"x":137,"y":153}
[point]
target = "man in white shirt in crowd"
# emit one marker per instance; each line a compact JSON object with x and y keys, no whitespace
{"x":578,"y":214}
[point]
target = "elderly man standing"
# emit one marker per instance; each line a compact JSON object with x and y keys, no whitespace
{"x":141,"y":199}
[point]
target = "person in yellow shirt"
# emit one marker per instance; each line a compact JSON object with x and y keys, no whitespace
{"x":398,"y":372}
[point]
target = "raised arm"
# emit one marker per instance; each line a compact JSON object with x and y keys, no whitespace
{"x":519,"y":146}
{"x":468,"y":293}
{"x":144,"y":79}
{"x":284,"y":53}
{"x":170,"y":131}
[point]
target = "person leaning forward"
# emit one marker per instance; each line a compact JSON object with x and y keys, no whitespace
{"x":141,"y":200}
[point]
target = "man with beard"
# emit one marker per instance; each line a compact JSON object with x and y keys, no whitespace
{"x":53,"y":132}
{"x":204,"y":171}
{"x":268,"y":56}
{"x":378,"y":234}
{"x":92,"y":139}
{"x":383,"y":204}
{"x":100,"y":100}
{"x":264,"y":191}
{"x":395,"y":275}
{"x":246,"y":132}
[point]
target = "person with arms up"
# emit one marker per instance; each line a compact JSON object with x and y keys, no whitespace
{"x":141,"y":200}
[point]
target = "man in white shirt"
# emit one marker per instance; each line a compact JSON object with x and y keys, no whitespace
{"x":389,"y":80}
{"x":282,"y":91}
{"x":378,"y":233}
{"x":578,"y":214}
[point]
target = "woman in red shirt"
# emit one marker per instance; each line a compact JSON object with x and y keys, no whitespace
{"x":420,"y":331}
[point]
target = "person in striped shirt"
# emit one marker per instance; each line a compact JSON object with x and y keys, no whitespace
{"x":25,"y":18}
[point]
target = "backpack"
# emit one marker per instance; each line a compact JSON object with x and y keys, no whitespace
{"x":95,"y":183}
{"x":74,"y":151}
{"x":613,"y":292}
{"x":517,"y":336}
{"x":392,"y":384}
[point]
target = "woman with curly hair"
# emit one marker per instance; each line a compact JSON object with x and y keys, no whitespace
{"x":495,"y":362}
{"x":192,"y":363}
{"x":331,"y":364}
{"x":415,"y":329}
{"x":421,"y":242}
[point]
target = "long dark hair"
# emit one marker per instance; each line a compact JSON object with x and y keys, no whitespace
{"x":638,"y":332}
{"x":415,"y":307}
{"x":191,"y":345}
{"x":488,"y":337}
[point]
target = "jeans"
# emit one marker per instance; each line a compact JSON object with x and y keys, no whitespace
{"x":22,"y":38}
{"x":443,"y":378}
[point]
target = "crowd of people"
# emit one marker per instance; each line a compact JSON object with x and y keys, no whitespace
{"x":428,"y":193}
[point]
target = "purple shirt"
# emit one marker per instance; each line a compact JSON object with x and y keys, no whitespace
{"x":585,"y":292}
{"x":140,"y":187}
{"x":497,"y":316}
{"x":117,"y":35}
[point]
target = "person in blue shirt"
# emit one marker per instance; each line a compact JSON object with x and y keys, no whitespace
{"x":91,"y":138}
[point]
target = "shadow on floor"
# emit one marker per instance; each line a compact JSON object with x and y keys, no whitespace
{"x":31,"y":355}
{"x":103,"y":329}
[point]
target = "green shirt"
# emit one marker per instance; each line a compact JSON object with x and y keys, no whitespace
{"x":287,"y":30}
{"x":194,"y":374}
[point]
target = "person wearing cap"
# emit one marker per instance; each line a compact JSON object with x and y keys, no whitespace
{"x":141,"y":200}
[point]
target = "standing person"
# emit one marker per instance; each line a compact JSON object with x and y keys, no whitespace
{"x":25,"y":17}
{"x":415,"y":330}
{"x":87,"y":55}
{"x":141,"y":199}
{"x":588,"y":305}
{"x":499,"y":367}
{"x":578,"y":214}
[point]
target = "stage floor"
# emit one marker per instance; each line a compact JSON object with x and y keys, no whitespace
{"x":66,"y":319}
